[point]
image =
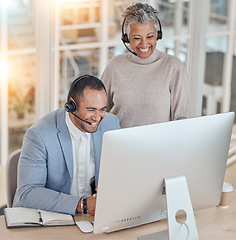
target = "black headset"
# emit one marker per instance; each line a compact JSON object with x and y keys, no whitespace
{"x":125,"y":38}
{"x":70,"y":105}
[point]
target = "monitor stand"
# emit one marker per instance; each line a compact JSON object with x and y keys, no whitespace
{"x":178,"y":199}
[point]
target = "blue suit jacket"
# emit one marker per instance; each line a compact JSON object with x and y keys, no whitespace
{"x":45,"y":169}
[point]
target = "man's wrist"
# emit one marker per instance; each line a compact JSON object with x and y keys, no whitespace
{"x":82,"y":206}
{"x":85,"y":209}
{"x":79,"y":208}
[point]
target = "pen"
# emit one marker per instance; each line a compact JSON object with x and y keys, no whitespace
{"x":40,"y":218}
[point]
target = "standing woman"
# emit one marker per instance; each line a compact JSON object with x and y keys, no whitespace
{"x":145,"y":85}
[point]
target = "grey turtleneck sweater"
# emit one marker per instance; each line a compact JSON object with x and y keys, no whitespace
{"x":145,"y":91}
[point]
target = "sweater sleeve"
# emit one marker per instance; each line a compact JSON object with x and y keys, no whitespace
{"x":107,"y":80}
{"x":180,"y":95}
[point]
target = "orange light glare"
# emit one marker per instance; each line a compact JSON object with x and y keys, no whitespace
{"x":4,"y":70}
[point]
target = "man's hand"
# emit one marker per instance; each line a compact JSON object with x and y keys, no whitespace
{"x":91,"y":203}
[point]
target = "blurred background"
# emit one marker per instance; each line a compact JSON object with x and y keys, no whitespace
{"x":46,"y":44}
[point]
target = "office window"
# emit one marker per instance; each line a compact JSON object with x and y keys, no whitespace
{"x":175,"y":20}
{"x":18,"y":51}
{"x":21,"y":24}
{"x":74,"y":64}
{"x":87,"y":35}
{"x":214,"y":65}
{"x":80,"y":21}
{"x":233,"y":82}
{"x":218,"y":96}
{"x":21,"y":97}
{"x":218,"y":15}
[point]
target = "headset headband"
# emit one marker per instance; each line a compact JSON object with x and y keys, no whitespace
{"x":73,"y":85}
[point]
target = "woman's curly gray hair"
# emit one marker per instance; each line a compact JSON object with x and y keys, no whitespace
{"x":139,"y":13}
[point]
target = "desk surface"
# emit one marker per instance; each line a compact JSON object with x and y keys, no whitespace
{"x":212,"y":223}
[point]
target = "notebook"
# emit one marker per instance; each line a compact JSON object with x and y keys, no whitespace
{"x":29,"y":217}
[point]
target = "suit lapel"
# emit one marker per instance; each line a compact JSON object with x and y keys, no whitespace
{"x":65,"y":141}
{"x":97,"y":142}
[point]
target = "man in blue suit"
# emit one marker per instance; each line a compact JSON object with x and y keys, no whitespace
{"x":61,"y":152}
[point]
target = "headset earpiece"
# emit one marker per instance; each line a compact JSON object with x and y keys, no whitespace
{"x":159,"y":35}
{"x":70,"y":106}
{"x":159,"y":32}
{"x":125,"y":38}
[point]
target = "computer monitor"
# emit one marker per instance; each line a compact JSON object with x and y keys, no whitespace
{"x":134,"y":162}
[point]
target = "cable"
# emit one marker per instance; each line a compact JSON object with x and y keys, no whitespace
{"x":164,"y":211}
{"x":185,"y":224}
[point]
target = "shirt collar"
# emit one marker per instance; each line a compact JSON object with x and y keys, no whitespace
{"x":74,"y":131}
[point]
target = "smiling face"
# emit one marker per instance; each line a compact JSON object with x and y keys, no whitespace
{"x":143,"y":39}
{"x":92,"y":107}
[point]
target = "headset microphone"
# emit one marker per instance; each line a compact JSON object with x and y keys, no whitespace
{"x":82,"y":119}
{"x":125,"y":38}
{"x":129,"y":49}
{"x":71,"y":108}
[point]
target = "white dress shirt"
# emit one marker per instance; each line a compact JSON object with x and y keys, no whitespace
{"x":83,"y":160}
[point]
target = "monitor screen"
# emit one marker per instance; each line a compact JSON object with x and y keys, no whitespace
{"x":134,"y":162}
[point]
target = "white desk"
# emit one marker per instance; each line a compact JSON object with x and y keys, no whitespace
{"x":212,"y":223}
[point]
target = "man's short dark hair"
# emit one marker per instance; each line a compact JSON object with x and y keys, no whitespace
{"x":85,"y":81}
